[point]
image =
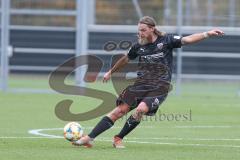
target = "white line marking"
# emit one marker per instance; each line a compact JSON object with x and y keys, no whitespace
{"x":139,"y":142}
{"x":30,"y":137}
{"x":37,"y":132}
{"x":184,"y":139}
{"x":176,"y":144}
{"x":135,"y":138}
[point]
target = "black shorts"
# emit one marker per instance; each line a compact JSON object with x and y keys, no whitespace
{"x":152,"y":95}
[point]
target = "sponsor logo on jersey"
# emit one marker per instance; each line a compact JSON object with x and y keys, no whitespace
{"x":158,"y":55}
{"x":160,"y":45}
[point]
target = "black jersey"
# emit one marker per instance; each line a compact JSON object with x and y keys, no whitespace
{"x":155,"y":59}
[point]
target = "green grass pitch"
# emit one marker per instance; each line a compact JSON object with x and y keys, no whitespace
{"x":211,"y":133}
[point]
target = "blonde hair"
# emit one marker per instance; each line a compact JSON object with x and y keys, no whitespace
{"x":151,"y":23}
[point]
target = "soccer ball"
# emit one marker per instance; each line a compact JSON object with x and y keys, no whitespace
{"x":73,"y":131}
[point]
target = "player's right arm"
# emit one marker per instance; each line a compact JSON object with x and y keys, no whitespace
{"x":120,"y":63}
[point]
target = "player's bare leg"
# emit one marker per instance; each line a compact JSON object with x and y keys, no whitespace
{"x":106,"y":123}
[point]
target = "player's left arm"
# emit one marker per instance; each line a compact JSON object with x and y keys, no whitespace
{"x":201,"y":36}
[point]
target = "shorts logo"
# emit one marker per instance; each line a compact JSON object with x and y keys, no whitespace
{"x":156,"y":102}
{"x":160,"y":45}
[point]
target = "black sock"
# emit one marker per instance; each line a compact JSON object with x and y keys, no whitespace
{"x":130,"y":124}
{"x":102,"y":126}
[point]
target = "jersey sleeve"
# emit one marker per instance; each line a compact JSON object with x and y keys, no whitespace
{"x":174,"y":41}
{"x":132,"y":53}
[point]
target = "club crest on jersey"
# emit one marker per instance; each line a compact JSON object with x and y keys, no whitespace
{"x":160,"y":45}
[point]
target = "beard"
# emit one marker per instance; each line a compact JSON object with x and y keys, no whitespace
{"x":143,"y":41}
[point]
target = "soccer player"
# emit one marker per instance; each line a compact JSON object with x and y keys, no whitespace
{"x":155,"y":56}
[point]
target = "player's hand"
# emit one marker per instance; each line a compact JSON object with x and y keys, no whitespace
{"x":215,"y":32}
{"x":106,"y":76}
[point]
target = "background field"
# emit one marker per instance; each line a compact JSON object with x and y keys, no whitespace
{"x":45,"y":33}
{"x":212,"y":133}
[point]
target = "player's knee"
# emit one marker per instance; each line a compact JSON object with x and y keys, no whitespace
{"x":140,"y":111}
{"x":118,"y":112}
{"x":142,"y":108}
